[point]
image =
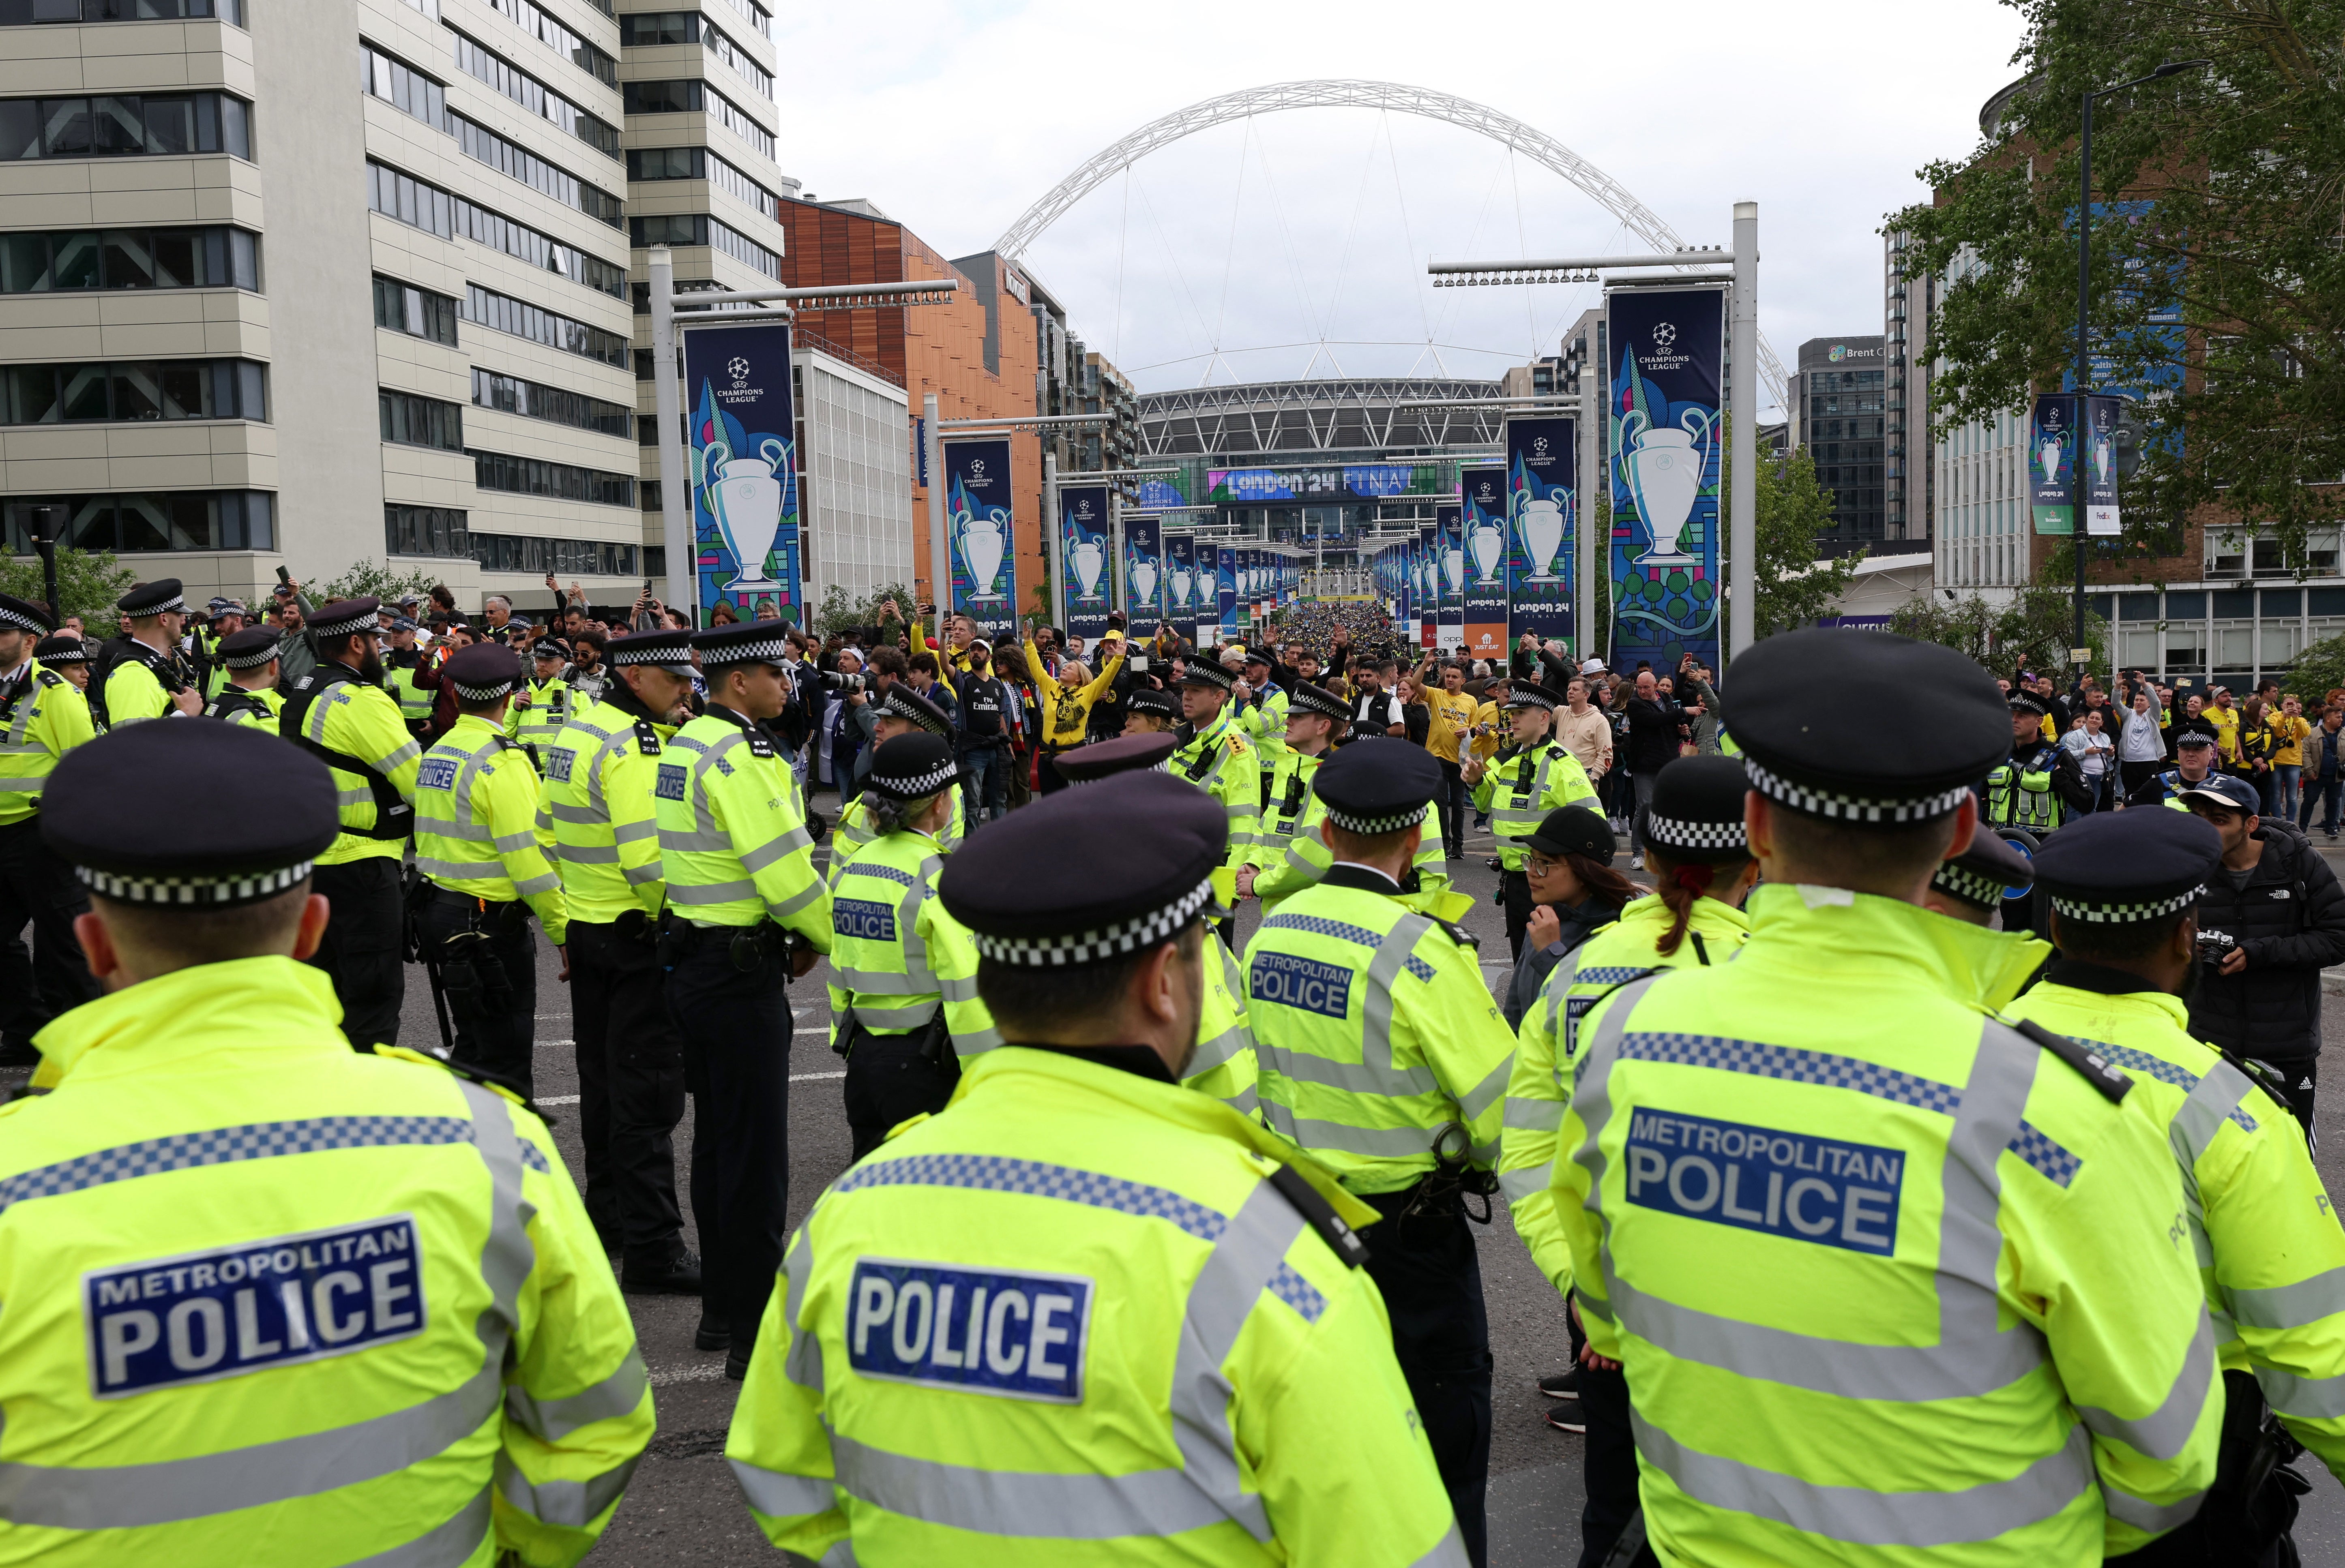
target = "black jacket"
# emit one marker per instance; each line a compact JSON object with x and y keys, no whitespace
{"x":2290,"y":918}
{"x":1653,"y":734}
{"x":1579,"y":922}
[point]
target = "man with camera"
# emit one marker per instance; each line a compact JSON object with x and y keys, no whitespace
{"x":2270,"y":921}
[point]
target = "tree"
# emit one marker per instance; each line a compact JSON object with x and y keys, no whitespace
{"x":1794,"y":588}
{"x":2029,"y":633}
{"x":365,"y":579}
{"x":88,"y":582}
{"x":2316,"y":671}
{"x":838,"y":611}
{"x":2217,"y":280}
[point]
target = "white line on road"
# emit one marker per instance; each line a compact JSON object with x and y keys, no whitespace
{"x":705,"y":1373}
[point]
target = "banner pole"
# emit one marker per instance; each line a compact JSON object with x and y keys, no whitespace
{"x":1057,"y":527}
{"x":1593,"y":471}
{"x":940,"y":565}
{"x":675,"y":530}
{"x":1741,"y":576}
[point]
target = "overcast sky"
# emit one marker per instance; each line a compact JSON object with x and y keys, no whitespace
{"x":1296,"y":243}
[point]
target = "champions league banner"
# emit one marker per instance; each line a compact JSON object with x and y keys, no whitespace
{"x":742,"y":447}
{"x":1144,"y":584}
{"x":1225,"y":589}
{"x":981,"y":530}
{"x":1481,"y":569}
{"x":2052,"y":463}
{"x":1083,"y":519}
{"x":2099,"y":480}
{"x":1542,"y":523}
{"x":1665,"y":445}
{"x":1430,"y":599}
{"x":1183,"y":588}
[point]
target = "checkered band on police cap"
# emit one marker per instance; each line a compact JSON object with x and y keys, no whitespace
{"x":193,"y":891}
{"x":906,"y":704}
{"x":350,"y":616}
{"x":2023,"y":703}
{"x":672,"y":649}
{"x":1838,"y":807}
{"x":1369,"y":827}
{"x":483,"y":694}
{"x":1670,"y":832}
{"x":1973,"y":888}
{"x":2096,"y":911}
{"x":250,"y":658}
{"x":61,"y":650}
{"x":22,"y":615}
{"x":1131,"y":936}
{"x":1526,"y":696}
{"x":773,"y":651}
{"x":1306,"y":698}
{"x":1202,"y":671}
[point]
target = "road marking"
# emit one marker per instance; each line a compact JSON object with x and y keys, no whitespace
{"x":705,"y":1373}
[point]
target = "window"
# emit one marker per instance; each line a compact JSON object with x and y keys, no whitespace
{"x":126,"y":125}
{"x":64,"y":259}
{"x":756,"y":16}
{"x":699,"y":228}
{"x":418,"y":312}
{"x":654,"y":27}
{"x":403,"y":86}
{"x":412,"y":201}
{"x":424,"y":531}
{"x":177,"y":519}
{"x":134,"y":391}
{"x":534,"y":400}
{"x":519,"y":163}
{"x":690,"y":96}
{"x":502,"y":313}
{"x":535,"y":97}
{"x":567,"y":556}
{"x":562,"y":481}
{"x":409,"y":420}
{"x":538,"y":24}
{"x":16,"y":13}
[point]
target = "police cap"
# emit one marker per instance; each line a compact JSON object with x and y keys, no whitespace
{"x":251,"y":648}
{"x":1526,"y":694}
{"x":1149,"y":700}
{"x":1696,"y":812}
{"x":2021,"y":702}
{"x":1125,"y":754}
{"x":672,"y":649}
{"x":484,"y":672}
{"x":1260,"y":656}
{"x":1306,"y":698}
{"x":346,"y":617}
{"x":1200,"y":671}
{"x":249,"y":814}
{"x":1991,"y":870}
{"x":1939,"y":724}
{"x":1377,"y":786}
{"x":743,"y":642}
{"x":24,"y":615}
{"x":903,"y":703}
{"x":155,"y":598}
{"x":2121,"y":868}
{"x":2192,"y":735}
{"x":62,"y":650}
{"x":1573,"y":830}
{"x":1087,"y":875}
{"x":907,"y":767}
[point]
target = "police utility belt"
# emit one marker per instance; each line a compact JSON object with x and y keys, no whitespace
{"x":749,"y":946}
{"x":931,"y":1042}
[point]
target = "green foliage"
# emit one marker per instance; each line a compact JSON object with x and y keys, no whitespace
{"x":88,"y":582}
{"x":365,"y":579}
{"x":838,"y":611}
{"x":2031,"y":632}
{"x":2316,"y":671}
{"x":1794,"y":588}
{"x":2230,"y":181}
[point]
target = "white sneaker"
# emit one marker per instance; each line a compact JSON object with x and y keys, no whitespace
{"x":1635,"y":863}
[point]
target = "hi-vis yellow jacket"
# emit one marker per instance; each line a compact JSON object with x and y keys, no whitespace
{"x":264,"y":1300}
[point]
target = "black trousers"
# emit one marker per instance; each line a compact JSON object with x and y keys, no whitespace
{"x":630,"y":1091}
{"x":39,"y":888}
{"x":2302,"y":1076}
{"x":362,"y":947}
{"x":1514,"y":893}
{"x":495,"y":1015}
{"x":735,"y":1027}
{"x":1610,"y":1467}
{"x":889,"y":1081}
{"x":1452,"y":799}
{"x":1431,"y":1279}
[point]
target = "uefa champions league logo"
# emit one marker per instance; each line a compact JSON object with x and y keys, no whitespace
{"x":1665,"y":334}
{"x":739,"y":369}
{"x":1486,"y":495}
{"x":1538,"y":450}
{"x":977,"y":469}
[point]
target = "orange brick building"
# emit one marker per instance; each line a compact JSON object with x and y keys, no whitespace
{"x":977,"y":353}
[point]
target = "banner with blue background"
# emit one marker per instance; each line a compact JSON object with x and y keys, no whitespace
{"x":1666,"y":448}
{"x":1184,"y":588}
{"x":1088,"y":553}
{"x":1542,"y":524}
{"x":1145,"y":587}
{"x":742,"y":448}
{"x":981,"y":528}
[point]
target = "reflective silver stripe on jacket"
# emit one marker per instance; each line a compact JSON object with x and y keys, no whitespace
{"x":448,"y":1544}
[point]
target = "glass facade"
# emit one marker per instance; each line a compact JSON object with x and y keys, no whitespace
{"x":151,"y":125}
{"x":32,"y":262}
{"x":153,"y":520}
{"x":134,"y":391}
{"x":1844,"y":432}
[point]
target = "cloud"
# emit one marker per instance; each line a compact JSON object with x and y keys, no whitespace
{"x":1294,"y":243}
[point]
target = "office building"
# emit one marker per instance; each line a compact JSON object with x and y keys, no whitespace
{"x":1837,"y":398}
{"x":1909,"y":456}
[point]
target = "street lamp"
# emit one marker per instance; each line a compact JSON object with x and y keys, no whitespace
{"x":2083,"y":310}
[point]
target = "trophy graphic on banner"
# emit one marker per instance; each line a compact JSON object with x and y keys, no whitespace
{"x":981,"y":541}
{"x":1088,"y":557}
{"x":2048,"y":454}
{"x":1181,"y":578}
{"x":745,"y":496}
{"x":1664,"y":467}
{"x":2104,"y":452}
{"x":1453,"y":563}
{"x":1489,"y":547}
{"x":1539,"y":527}
{"x":1143,"y":579}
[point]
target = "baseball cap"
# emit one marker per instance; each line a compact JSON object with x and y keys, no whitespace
{"x":2224,"y":792}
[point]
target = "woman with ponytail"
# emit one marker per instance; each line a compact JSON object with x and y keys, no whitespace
{"x":1701,"y":868}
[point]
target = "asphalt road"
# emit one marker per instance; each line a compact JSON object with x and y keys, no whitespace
{"x":683,"y":1508}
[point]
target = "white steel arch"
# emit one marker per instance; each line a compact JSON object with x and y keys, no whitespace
{"x":1400,"y":98}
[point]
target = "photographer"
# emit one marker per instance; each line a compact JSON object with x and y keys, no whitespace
{"x":2270,"y":921}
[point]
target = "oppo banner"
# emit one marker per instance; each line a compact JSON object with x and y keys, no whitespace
{"x":1542,"y":525}
{"x":980,"y":526}
{"x":1083,"y":519}
{"x":1183,"y":590}
{"x":1482,"y":563}
{"x":1144,"y":585}
{"x":742,"y":446}
{"x":1663,"y":438}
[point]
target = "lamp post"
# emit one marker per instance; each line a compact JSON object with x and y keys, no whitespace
{"x":2084,"y":373}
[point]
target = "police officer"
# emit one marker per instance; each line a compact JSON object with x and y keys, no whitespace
{"x":1893,"y":1281}
{"x":2194,"y":761}
{"x":340,"y":714}
{"x":484,"y":853}
{"x":2033,"y":789}
{"x":1224,"y":1065}
{"x":897,"y":711}
{"x":2122,"y":890}
{"x":1972,"y":886}
{"x":1149,"y":712}
{"x":43,"y":716}
{"x":1160,"y":1302}
{"x":68,"y":655}
{"x":411,"y":675}
{"x":269,"y":1300}
{"x":1289,"y":853}
{"x":1382,"y":1056}
{"x":1264,"y":716}
{"x":250,"y":697}
{"x":144,"y":676}
{"x":1217,"y":756}
{"x":747,"y":916}
{"x":903,"y":989}
{"x":542,"y":706}
{"x":1533,"y":775}
{"x":600,"y":773}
